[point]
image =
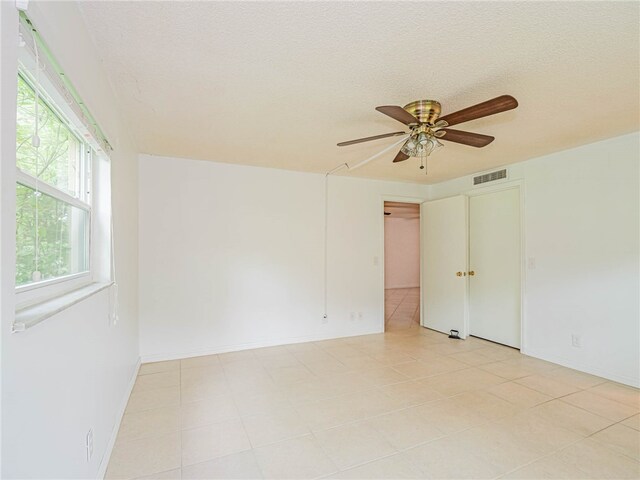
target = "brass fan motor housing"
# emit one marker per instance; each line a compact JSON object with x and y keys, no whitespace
{"x":426,"y":111}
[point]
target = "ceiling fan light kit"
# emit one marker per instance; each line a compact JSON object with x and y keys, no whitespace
{"x":427,"y":127}
{"x":421,"y":144}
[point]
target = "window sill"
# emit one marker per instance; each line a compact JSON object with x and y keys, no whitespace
{"x":31,"y":315}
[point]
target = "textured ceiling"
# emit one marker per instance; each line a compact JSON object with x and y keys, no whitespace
{"x":279,"y":84}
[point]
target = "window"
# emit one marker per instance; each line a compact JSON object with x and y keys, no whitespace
{"x":53,"y":204}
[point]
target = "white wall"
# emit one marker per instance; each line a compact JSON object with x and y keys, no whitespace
{"x":401,"y":252}
{"x":71,"y":372}
{"x":231,"y":257}
{"x":581,"y":214}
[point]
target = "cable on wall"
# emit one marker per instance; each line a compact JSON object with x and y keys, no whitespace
{"x":326,"y":212}
{"x":326,"y":232}
{"x":36,"y":275}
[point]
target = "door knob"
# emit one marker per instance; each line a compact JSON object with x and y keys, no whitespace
{"x":458,"y":274}
{"x":472,"y":273}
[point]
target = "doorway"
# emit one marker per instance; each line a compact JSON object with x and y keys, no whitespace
{"x":401,"y":265}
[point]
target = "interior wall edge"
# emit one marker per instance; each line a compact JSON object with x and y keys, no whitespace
{"x":464,"y":184}
{"x":67,"y":376}
{"x":161,"y":357}
{"x":8,"y":98}
{"x":255,"y":272}
{"x":104,"y":463}
{"x":582,"y":367}
{"x":575,"y":282}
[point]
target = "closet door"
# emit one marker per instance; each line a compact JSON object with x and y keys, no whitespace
{"x":444,"y":264}
{"x":494,"y":266}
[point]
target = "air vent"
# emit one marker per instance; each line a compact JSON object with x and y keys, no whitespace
{"x":490,"y":177}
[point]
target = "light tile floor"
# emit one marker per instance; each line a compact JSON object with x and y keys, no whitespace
{"x":401,"y":308}
{"x":409,"y":403}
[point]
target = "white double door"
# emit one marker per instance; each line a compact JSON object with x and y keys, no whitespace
{"x":471,"y":264}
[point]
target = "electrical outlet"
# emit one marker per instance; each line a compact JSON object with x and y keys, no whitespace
{"x":576,"y":341}
{"x":360,"y":316}
{"x":352,"y":316}
{"x":89,"y":444}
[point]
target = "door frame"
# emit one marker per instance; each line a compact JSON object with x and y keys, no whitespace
{"x":509,"y":185}
{"x":397,"y":198}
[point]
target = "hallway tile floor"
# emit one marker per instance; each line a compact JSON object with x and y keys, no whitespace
{"x":401,"y":308}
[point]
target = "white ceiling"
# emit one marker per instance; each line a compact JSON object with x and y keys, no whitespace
{"x":279,"y":84}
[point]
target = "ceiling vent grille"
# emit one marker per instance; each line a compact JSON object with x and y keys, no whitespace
{"x":490,"y":177}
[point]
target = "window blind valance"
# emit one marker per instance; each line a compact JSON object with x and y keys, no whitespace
{"x":69,"y":101}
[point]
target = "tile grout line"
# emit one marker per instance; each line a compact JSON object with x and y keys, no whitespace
{"x":394,"y":310}
{"x":397,"y":343}
{"x":242,"y":422}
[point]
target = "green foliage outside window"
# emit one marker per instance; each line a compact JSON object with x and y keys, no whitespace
{"x":60,"y":246}
{"x":61,"y":237}
{"x":56,"y":161}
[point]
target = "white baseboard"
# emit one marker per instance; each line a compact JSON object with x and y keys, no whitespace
{"x":102,"y":470}
{"x":590,"y":369}
{"x":391,"y":287}
{"x":161,"y":357}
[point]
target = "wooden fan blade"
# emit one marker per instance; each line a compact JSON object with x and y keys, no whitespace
{"x":484,"y":109}
{"x":466,"y":138}
{"x":399,"y":114}
{"x":400,"y":157}
{"x":368,"y":139}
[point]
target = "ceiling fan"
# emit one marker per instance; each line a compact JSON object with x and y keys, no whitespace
{"x":427,"y":127}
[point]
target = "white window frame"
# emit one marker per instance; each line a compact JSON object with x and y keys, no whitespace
{"x":36,"y":292}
